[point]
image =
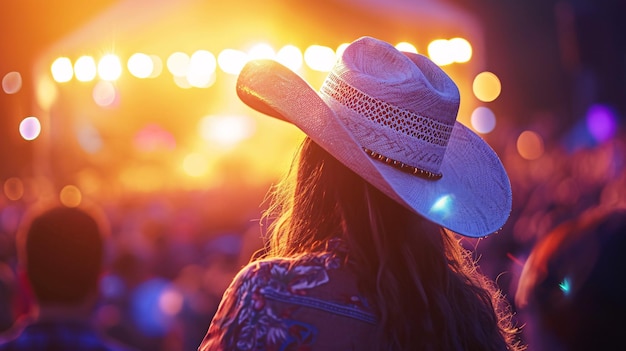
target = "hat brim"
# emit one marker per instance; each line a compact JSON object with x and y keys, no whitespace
{"x":473,"y":198}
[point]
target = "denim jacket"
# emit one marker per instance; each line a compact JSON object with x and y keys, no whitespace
{"x":309,"y":303}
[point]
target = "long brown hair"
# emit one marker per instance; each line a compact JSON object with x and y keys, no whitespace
{"x":424,"y":285}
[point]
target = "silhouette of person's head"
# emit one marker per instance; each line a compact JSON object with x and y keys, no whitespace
{"x":62,"y":253}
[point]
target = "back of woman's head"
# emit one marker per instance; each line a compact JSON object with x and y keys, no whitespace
{"x":422,"y":283}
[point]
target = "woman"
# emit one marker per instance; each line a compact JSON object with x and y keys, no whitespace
{"x":357,"y":256}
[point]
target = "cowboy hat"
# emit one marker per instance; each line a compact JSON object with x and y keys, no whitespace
{"x":390,"y":116}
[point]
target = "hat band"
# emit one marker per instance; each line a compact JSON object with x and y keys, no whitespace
{"x":382,"y":113}
{"x":403,"y":166}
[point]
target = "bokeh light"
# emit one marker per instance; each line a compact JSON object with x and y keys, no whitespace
{"x":104,"y":94}
{"x":178,"y":63}
{"x":145,"y":307}
{"x":601,"y":122}
{"x":62,"y":70}
{"x":231,"y":61}
{"x":46,"y":92}
{"x":109,"y":67}
{"x":483,"y":120}
{"x":340,"y":49}
{"x":406,"y":47}
{"x":171,"y":301}
{"x":195,"y":164}
{"x":30,"y":128}
{"x":13,"y":188}
{"x":319,"y":58}
{"x":12,"y":82}
{"x":201,"y":70}
{"x":486,"y":86}
{"x":182,"y":82}
{"x":70,"y":196}
{"x":89,"y":138}
{"x":226,"y":131}
{"x":153,"y":137}
{"x":157,"y":66}
{"x":140,"y":65}
{"x":85,"y":69}
{"x":461,"y":49}
{"x":440,"y":52}
{"x":530,"y":145}
{"x":290,"y":56}
{"x":261,"y":51}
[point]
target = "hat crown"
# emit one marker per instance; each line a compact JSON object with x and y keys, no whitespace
{"x":400,"y":107}
{"x":406,"y":80}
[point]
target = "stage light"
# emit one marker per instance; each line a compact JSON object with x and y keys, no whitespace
{"x":290,"y":56}
{"x":201,"y":70}
{"x":178,"y":64}
{"x":261,"y":51}
{"x":340,"y":49}
{"x":140,"y":65}
{"x":109,"y":67}
{"x":231,"y":61}
{"x":85,"y":69}
{"x":440,"y":52}
{"x":319,"y":58}
{"x":461,"y":49}
{"x":62,"y":70}
{"x":406,"y":47}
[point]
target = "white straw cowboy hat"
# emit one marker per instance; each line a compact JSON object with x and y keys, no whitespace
{"x":390,"y":116}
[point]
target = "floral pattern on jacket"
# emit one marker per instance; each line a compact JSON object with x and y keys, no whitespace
{"x":283,"y":304}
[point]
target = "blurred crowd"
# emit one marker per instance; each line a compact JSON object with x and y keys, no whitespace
{"x":171,"y":256}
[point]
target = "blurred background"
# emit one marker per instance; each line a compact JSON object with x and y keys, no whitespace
{"x":131,"y":104}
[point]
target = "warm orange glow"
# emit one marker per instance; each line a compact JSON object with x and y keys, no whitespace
{"x":226,"y":131}
{"x":70,"y":196}
{"x":530,"y":145}
{"x":46,"y":92}
{"x":486,"y":86}
{"x":13,"y":188}
{"x":195,"y":165}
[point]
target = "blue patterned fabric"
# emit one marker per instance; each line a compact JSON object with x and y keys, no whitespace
{"x":310,"y":303}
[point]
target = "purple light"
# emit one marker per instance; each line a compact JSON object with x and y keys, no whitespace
{"x":601,"y":122}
